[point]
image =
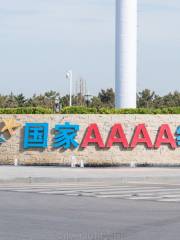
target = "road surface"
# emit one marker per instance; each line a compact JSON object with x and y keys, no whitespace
{"x":42,"y":212}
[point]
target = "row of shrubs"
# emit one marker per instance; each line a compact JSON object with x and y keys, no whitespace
{"x":85,"y":110}
{"x":26,"y":110}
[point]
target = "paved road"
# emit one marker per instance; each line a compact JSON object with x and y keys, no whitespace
{"x":31,"y":216}
{"x":136,"y":191}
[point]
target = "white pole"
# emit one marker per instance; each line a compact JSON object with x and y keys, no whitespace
{"x":70,"y":90}
{"x":69,"y":76}
{"x":126,"y":53}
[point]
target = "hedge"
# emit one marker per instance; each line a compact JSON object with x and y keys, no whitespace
{"x":79,"y":110}
{"x":26,"y":110}
{"x":85,"y":110}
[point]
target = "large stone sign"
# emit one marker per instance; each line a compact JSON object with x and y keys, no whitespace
{"x":91,"y":139}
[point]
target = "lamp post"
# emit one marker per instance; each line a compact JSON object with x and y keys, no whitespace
{"x":69,"y":76}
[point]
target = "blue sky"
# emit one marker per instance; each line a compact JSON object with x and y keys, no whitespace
{"x":41,"y":39}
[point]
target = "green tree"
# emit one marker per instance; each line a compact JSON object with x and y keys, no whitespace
{"x":96,"y":103}
{"x":21,"y":100}
{"x":145,"y":98}
{"x":10,"y":101}
{"x":65,"y":101}
{"x":3,"y":99}
{"x":107,"y":97}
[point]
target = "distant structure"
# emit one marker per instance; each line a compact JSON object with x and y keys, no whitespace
{"x":126,"y":53}
{"x":80,"y":91}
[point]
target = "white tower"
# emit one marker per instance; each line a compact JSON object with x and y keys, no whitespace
{"x":126,"y":53}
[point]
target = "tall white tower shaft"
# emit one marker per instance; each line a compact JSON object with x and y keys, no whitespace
{"x":126,"y":53}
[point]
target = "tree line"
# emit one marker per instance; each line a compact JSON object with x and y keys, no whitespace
{"x":104,"y":99}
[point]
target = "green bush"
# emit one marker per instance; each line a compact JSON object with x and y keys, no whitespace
{"x":79,"y":110}
{"x":26,"y":110}
{"x":85,"y":110}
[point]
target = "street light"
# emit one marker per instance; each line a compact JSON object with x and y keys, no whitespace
{"x":69,"y":76}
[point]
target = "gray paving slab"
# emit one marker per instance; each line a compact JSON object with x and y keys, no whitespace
{"x":64,"y":175}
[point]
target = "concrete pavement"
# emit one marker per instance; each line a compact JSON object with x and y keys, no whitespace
{"x":59,"y":174}
{"x":27,"y":216}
